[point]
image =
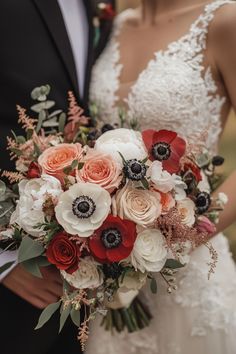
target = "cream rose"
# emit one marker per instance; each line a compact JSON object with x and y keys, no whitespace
{"x":101,"y":169}
{"x":141,"y":206}
{"x":56,"y":158}
{"x":29,"y":209}
{"x":88,"y":276}
{"x":186,"y":209}
{"x":125,"y":141}
{"x":150,"y":251}
{"x":83,"y":208}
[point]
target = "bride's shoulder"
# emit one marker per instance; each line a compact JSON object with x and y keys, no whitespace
{"x":222,"y":35}
{"x":129,"y":16}
{"x":224,"y":24}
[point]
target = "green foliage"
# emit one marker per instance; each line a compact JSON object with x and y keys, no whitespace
{"x":75,"y":316}
{"x":29,"y":249}
{"x":64,"y":315}
{"x":153,"y":286}
{"x":47,"y":314}
{"x":173,"y":264}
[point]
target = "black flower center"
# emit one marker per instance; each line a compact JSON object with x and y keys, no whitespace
{"x":83,"y":207}
{"x":203,"y":202}
{"x":111,"y":238}
{"x":112,"y":271}
{"x":161,"y":151}
{"x":135,"y":170}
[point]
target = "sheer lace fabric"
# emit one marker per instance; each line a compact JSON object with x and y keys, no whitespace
{"x":175,"y":92}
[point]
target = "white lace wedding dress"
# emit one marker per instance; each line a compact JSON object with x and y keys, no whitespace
{"x":175,"y":92}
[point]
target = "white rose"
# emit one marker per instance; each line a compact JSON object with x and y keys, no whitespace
{"x":163,"y":180}
{"x":125,"y":141}
{"x":140,"y":206}
{"x":150,"y":251}
{"x":29,"y":209}
{"x":83,"y":208}
{"x":186,"y":209}
{"x":88,"y":276}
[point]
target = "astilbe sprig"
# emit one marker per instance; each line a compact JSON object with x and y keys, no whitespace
{"x":26,"y":122}
{"x":75,"y":112}
{"x":172,"y":227}
{"x":13,"y":177}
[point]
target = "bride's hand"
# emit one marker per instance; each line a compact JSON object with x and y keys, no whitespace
{"x":39,"y":292}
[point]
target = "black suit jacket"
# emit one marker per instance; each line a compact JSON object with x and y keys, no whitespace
{"x":35,"y":50}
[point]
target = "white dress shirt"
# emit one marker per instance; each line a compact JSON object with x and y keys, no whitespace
{"x":74,"y":15}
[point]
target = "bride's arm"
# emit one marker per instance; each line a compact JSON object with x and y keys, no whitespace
{"x":224,"y":52}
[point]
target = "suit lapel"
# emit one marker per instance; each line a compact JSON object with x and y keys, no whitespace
{"x":51,"y":14}
{"x":90,"y":55}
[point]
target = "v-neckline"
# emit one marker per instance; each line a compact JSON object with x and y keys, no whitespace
{"x":118,"y":65}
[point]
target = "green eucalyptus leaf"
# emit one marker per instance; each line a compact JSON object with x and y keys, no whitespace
{"x":74,"y":164}
{"x":75,"y":316}
{"x":80,"y":165}
{"x":6,"y":266}
{"x":16,"y":151}
{"x":37,"y":150}
{"x":29,"y":249}
{"x":20,"y":139}
{"x":173,"y":264}
{"x":145,"y":183}
{"x":64,"y":315}
{"x":41,"y":117}
{"x":32,"y":267}
{"x":29,"y":133}
{"x":42,"y":106}
{"x":47,"y":314}
{"x":153,"y":286}
{"x":62,"y":122}
{"x":3,"y":188}
{"x":55,"y":113}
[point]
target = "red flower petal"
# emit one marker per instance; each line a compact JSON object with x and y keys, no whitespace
{"x":96,"y":247}
{"x":178,"y":146}
{"x":164,"y":136}
{"x":119,"y":253}
{"x":147,"y":136}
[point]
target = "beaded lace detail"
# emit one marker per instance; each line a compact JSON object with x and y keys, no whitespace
{"x":175,"y":91}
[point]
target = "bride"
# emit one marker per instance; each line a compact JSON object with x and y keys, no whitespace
{"x":172,"y":65}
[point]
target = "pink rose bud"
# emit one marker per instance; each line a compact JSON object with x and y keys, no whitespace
{"x":205,"y":225}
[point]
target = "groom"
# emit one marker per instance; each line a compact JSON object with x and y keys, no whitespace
{"x":42,"y":42}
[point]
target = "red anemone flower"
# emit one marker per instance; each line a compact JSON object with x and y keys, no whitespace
{"x":114,"y":240}
{"x":165,"y":146}
{"x":190,"y":168}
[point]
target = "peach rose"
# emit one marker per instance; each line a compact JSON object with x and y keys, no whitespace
{"x":54,"y":159}
{"x":101,"y":169}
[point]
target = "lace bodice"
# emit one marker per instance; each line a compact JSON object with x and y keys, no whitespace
{"x":174,"y":92}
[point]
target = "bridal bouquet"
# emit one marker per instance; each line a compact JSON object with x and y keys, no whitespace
{"x":110,"y":208}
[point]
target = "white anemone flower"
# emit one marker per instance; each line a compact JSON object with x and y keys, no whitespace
{"x":83,"y":208}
